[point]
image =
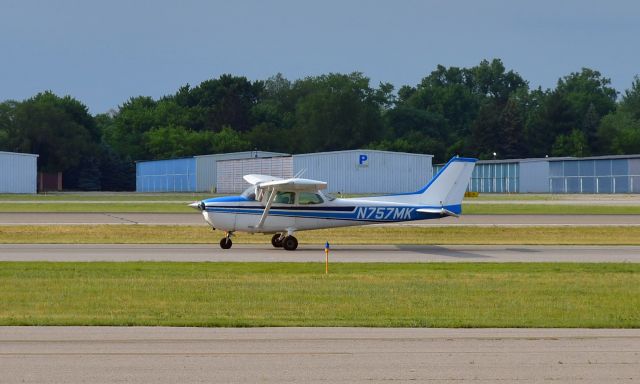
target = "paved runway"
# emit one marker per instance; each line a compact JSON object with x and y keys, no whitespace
{"x":306,"y":253}
{"x":277,"y":355}
{"x":101,"y":218}
{"x":196,"y":219}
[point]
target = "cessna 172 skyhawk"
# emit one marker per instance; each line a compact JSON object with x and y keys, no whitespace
{"x":285,"y":206}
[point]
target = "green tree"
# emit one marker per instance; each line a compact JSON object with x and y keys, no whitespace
{"x":486,"y":131}
{"x":126,"y":133}
{"x":493,"y":81}
{"x":511,"y":123}
{"x":619,"y":132}
{"x":227,"y":101}
{"x":552,"y":116}
{"x":7,"y":124}
{"x":572,"y":144}
{"x":274,"y":117}
{"x":336,"y":112}
{"x":56,"y":129}
{"x":590,"y":97}
{"x":462,"y":109}
{"x":117,"y":173}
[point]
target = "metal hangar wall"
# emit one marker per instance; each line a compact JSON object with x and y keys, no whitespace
{"x":175,"y":175}
{"x":601,"y":174}
{"x":353,"y":171}
{"x":18,"y":172}
{"x":206,"y":167}
{"x":366,"y":171}
{"x":230,"y":172}
{"x":191,"y":174}
{"x":591,"y":175}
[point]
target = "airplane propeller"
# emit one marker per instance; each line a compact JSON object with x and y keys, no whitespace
{"x":198,"y":205}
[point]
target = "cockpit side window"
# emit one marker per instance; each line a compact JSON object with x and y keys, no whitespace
{"x":285,"y":198}
{"x":309,"y":198}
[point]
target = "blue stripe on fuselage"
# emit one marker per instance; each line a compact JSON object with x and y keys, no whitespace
{"x":226,"y":199}
{"x":365,"y":213}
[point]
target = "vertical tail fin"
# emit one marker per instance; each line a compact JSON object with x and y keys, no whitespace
{"x":447,"y":187}
{"x":443,"y":194}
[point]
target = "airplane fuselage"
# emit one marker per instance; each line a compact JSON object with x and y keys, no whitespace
{"x":238,"y":214}
{"x":286,"y":206}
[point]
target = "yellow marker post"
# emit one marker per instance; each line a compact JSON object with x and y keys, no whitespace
{"x":326,"y":258}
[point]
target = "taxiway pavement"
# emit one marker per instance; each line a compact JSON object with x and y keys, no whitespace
{"x":196,"y":219}
{"x":308,"y":253}
{"x":334,"y":355}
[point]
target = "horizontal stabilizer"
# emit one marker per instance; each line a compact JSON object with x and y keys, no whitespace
{"x":438,"y":211}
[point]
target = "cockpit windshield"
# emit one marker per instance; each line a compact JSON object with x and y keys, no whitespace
{"x":249,"y":193}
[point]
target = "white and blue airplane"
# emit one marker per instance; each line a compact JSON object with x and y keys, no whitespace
{"x":286,"y":206}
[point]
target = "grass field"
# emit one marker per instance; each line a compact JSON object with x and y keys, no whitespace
{"x":160,"y":234}
{"x":290,"y":294}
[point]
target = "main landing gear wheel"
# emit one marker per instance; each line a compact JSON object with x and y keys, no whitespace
{"x":276,"y":240}
{"x":290,"y":243}
{"x":226,"y":243}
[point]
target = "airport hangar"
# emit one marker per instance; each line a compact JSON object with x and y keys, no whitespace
{"x":18,"y":172}
{"x":372,"y":171}
{"x":351,"y":171}
{"x":558,"y":175}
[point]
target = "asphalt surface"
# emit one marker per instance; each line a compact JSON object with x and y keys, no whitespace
{"x":333,"y":355}
{"x":276,"y":355}
{"x":196,"y":219}
{"x":306,"y":253}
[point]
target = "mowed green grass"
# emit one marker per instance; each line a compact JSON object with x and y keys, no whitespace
{"x":160,"y":234}
{"x":292,"y":294}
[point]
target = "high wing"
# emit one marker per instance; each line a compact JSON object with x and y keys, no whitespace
{"x":271,"y":185}
{"x":306,"y":185}
{"x":258,"y":179}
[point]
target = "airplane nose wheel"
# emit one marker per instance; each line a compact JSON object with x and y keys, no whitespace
{"x":290,"y":243}
{"x":276,"y":240}
{"x":226,"y":242}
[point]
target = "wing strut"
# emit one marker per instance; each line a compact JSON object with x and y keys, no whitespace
{"x":265,"y":213}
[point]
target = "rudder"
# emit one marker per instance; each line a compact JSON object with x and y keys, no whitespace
{"x":448,"y":186}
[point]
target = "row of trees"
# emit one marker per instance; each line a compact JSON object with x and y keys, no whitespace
{"x":469,"y":111}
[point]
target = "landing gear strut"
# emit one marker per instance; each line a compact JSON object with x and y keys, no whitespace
{"x":226,"y":242}
{"x":276,"y":240}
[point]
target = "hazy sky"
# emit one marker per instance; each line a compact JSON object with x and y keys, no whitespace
{"x":103,"y":52}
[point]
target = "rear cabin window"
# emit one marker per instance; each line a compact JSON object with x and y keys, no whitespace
{"x":249,"y":193}
{"x":327,"y":196}
{"x":309,"y":198}
{"x":285,"y":198}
